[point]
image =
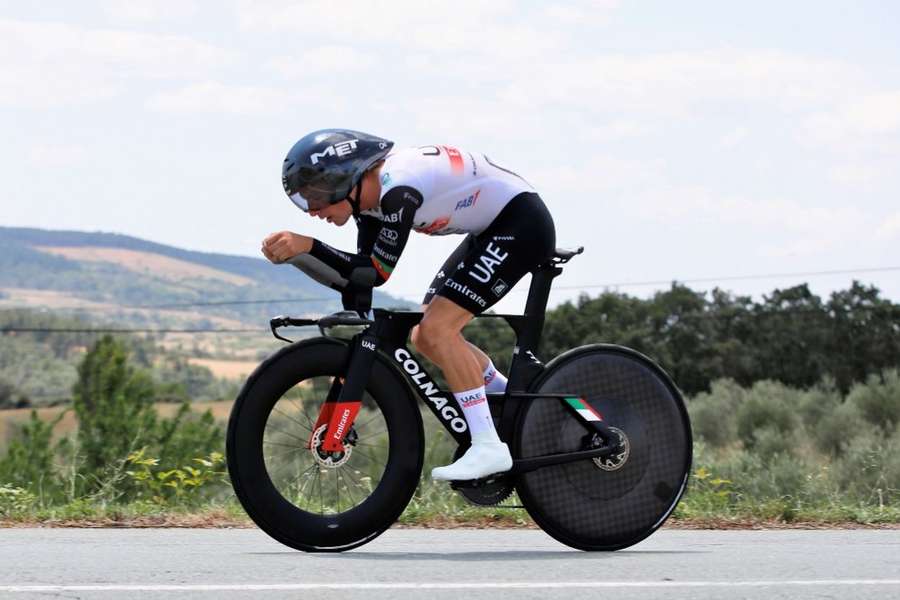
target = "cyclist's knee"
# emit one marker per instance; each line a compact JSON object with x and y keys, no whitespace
{"x":424,"y":336}
{"x":417,"y":340}
{"x":431,"y":334}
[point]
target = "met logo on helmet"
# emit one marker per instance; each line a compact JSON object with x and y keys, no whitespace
{"x":340,"y":149}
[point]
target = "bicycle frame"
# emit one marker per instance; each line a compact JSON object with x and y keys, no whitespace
{"x":388,"y":334}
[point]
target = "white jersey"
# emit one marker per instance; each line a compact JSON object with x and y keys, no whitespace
{"x":463,"y":192}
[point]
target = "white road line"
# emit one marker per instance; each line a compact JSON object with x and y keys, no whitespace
{"x":442,"y":585}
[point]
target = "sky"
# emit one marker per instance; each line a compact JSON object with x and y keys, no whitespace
{"x":674,"y":140}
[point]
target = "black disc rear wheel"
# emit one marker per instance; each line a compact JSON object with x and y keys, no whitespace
{"x":606,"y":505}
{"x":294,"y":490}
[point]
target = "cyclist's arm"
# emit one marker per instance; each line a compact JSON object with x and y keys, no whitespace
{"x":398,"y":209}
{"x":367,"y":230}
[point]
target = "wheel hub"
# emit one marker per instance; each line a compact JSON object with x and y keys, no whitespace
{"x":617,"y":460}
{"x":331,"y":460}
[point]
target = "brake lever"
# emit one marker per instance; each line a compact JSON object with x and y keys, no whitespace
{"x":281,"y":321}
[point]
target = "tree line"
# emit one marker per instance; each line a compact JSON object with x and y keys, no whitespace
{"x":791,"y":335}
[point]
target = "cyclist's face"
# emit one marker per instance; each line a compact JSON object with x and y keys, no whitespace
{"x":338,"y":213}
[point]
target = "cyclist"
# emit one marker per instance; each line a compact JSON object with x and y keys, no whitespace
{"x":334,"y":174}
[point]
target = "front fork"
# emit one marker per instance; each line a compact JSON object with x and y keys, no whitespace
{"x":344,"y":398}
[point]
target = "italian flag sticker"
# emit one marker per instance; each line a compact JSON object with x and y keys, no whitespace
{"x":584,"y":409}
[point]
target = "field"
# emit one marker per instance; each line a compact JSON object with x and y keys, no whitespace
{"x":11,"y":297}
{"x":227,"y":369}
{"x":146,"y":263}
{"x":66,"y":426}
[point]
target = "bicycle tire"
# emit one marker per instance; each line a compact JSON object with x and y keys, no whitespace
{"x":261,"y":499}
{"x":580,"y":504}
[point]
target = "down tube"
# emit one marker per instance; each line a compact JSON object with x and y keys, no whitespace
{"x":440,"y":402}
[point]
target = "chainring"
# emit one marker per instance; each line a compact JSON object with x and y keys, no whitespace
{"x":484,"y":492}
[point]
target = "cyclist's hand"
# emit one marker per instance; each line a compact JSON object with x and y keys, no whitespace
{"x":284,"y":245}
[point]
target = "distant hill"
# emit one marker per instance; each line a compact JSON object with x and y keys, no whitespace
{"x":107,"y":276}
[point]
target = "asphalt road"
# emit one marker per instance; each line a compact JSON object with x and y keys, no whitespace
{"x":435,"y":564}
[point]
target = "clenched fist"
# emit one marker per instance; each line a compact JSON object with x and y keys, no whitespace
{"x":284,"y":245}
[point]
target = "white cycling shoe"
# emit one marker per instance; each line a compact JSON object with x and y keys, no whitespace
{"x":480,"y":460}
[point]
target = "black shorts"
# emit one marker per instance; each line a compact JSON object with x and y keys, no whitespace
{"x":486,"y":266}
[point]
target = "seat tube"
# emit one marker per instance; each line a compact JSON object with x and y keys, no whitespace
{"x":528,"y":337}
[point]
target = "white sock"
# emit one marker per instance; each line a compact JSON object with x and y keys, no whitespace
{"x":494,"y":381}
{"x":478,"y":415}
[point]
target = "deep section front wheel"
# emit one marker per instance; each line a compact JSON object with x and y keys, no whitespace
{"x":298,"y":493}
{"x":611,"y":504}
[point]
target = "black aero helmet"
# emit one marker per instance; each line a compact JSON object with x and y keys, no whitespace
{"x":324,"y":165}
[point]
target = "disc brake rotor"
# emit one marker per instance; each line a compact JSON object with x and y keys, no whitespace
{"x":616,"y":461}
{"x":331,"y":460}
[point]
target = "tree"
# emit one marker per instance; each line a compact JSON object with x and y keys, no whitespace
{"x":114,"y":405}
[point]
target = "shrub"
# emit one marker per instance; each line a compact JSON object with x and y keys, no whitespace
{"x":837,"y":430}
{"x":869,"y":471}
{"x":818,"y":402}
{"x":28,"y":463}
{"x":113,"y":403}
{"x":188,"y":484}
{"x":713,"y":413}
{"x":879,"y":400}
{"x":15,"y":500}
{"x":768,"y":406}
{"x":758,"y":480}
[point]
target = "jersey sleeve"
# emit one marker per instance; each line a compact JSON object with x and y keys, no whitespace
{"x":398,"y":208}
{"x":367,"y":229}
{"x":379,"y":243}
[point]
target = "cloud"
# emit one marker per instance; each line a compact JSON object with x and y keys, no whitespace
{"x":680,"y":83}
{"x":577,"y":13}
{"x":500,"y":29}
{"x":48,"y":64}
{"x":360,"y":21}
{"x":326,"y":60}
{"x":734,"y":137}
{"x":890,"y":228}
{"x":618,"y":95}
{"x":862,"y":117}
{"x":215,"y":97}
{"x":56,"y":155}
{"x":786,"y":227}
{"x":599,"y":174}
{"x":150,"y":11}
{"x":857,"y":174}
{"x":700,"y":203}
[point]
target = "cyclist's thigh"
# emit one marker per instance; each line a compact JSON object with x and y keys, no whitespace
{"x":449,"y":267}
{"x":517,"y":242}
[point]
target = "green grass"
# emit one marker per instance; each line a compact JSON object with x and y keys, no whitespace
{"x":766,"y":455}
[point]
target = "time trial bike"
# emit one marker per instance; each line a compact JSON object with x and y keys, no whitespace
{"x":325,"y":441}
